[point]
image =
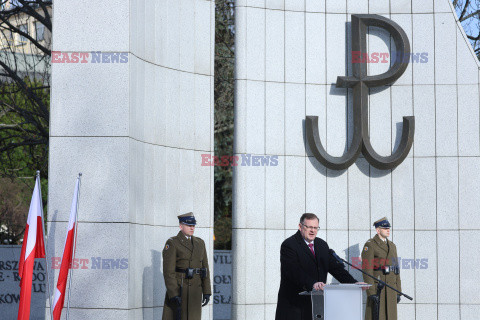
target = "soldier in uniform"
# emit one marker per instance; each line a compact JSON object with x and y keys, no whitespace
{"x":379,"y":258}
{"x":186,"y":273}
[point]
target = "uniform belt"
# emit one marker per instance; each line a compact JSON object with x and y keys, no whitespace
{"x":195,"y":270}
{"x":384,"y":267}
{"x":388,"y":269}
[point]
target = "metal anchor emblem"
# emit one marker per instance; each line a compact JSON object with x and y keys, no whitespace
{"x":361,"y":82}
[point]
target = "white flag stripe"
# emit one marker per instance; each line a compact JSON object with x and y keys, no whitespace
{"x":73,"y":212}
{"x":73,"y":209}
{"x":57,"y":296}
{"x":34,"y":212}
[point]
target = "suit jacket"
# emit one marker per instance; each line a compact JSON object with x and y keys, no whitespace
{"x":299,"y":271}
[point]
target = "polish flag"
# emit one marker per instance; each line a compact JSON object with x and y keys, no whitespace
{"x":67,"y":257}
{"x":33,"y":247}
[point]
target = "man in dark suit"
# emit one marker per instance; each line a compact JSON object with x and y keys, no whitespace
{"x":305,"y":262}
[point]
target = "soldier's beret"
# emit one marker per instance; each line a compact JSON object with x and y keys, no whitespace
{"x":187,"y":219}
{"x":382,"y":223}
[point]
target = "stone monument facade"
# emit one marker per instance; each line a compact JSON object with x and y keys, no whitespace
{"x":288,"y":57}
{"x":10,"y":284}
{"x":134,"y":113}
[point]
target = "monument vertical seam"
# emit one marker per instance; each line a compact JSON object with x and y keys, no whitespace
{"x":458,"y":181}
{"x":265,"y":151}
{"x":435,"y":138}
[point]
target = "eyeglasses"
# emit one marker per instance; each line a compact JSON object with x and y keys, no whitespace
{"x":311,"y":228}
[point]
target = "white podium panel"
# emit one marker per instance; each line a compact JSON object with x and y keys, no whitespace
{"x":337,"y":302}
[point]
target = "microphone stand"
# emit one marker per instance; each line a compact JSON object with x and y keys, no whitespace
{"x":376,"y":307}
{"x":378,"y":280}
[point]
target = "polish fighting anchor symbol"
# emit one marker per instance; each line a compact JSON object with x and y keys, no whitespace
{"x":361,"y":82}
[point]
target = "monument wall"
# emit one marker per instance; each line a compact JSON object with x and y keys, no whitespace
{"x":10,"y":284}
{"x":222,"y":285}
{"x":133,"y":114}
{"x":288,"y":57}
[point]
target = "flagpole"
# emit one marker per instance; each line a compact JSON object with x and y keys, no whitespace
{"x":37,"y":176}
{"x":74,"y":245}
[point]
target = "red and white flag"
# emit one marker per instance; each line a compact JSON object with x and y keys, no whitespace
{"x":67,"y":257}
{"x":33,"y":247}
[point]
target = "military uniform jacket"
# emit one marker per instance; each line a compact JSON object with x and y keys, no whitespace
{"x":179,"y":252}
{"x":376,"y":254}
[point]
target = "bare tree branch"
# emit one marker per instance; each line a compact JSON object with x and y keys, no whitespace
{"x":467,"y":3}
{"x":24,"y":94}
{"x":12,"y":145}
{"x":9,"y":126}
{"x":48,"y":20}
{"x":30,"y":94}
{"x":475,"y":39}
{"x":469,"y":16}
{"x":29,"y":10}
{"x":14,"y":29}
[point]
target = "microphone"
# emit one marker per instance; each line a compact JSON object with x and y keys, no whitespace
{"x":332,"y":252}
{"x":339,"y":260}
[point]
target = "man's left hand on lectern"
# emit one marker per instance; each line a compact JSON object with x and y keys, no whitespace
{"x":318,"y":286}
{"x":363,"y":288}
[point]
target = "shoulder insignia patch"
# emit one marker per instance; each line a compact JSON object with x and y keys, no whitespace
{"x":365,"y":249}
{"x":167,"y":246}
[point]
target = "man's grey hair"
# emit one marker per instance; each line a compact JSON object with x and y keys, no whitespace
{"x":308,"y":216}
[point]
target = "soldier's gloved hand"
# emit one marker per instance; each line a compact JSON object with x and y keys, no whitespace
{"x":206,"y":299}
{"x":375,"y":299}
{"x":399,"y":297}
{"x":177,"y":301}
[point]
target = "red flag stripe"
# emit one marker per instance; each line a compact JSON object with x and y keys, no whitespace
{"x":33,"y":247}
{"x":63,"y":275}
{"x":26,"y":290}
{"x":67,"y":257}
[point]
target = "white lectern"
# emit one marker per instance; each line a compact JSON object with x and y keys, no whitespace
{"x":337,"y":302}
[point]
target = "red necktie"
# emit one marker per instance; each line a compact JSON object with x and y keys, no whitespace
{"x":310,"y":245}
